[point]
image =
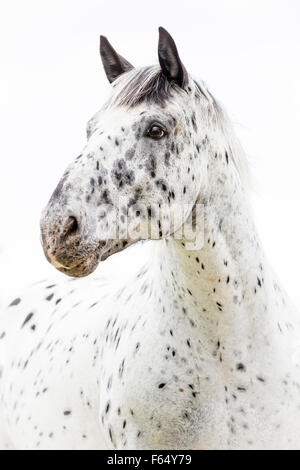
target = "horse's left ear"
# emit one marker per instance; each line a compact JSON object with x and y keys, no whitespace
{"x":113,"y":63}
{"x":169,"y":59}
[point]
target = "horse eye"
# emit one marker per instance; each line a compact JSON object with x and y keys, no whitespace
{"x":156,"y":132}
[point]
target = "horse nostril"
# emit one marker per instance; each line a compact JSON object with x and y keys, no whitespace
{"x":70,"y":226}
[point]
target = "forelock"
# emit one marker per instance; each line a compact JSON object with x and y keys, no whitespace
{"x":146,"y":84}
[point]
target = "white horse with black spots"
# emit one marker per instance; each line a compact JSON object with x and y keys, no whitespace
{"x":198,"y":349}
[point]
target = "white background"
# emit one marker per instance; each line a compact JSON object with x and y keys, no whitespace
{"x":52,"y":82}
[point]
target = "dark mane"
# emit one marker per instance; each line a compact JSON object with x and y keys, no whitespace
{"x":147,"y":84}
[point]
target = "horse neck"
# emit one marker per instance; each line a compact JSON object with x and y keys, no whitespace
{"x":229,"y":274}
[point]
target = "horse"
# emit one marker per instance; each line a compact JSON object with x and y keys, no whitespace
{"x":195,"y":349}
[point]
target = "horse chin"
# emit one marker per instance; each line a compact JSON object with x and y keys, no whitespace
{"x":84,"y":268}
{"x":90,"y":262}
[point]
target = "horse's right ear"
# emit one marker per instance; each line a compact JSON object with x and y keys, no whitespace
{"x":113,"y":63}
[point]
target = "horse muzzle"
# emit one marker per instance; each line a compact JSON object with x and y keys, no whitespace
{"x":67,"y":248}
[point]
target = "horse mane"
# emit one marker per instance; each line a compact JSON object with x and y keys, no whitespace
{"x":236,"y":151}
{"x":150,"y":85}
{"x":145,"y":84}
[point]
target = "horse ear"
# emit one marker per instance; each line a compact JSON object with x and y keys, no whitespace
{"x":169,"y":59}
{"x":113,"y":63}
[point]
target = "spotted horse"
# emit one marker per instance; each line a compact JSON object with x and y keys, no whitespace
{"x":198,"y":348}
